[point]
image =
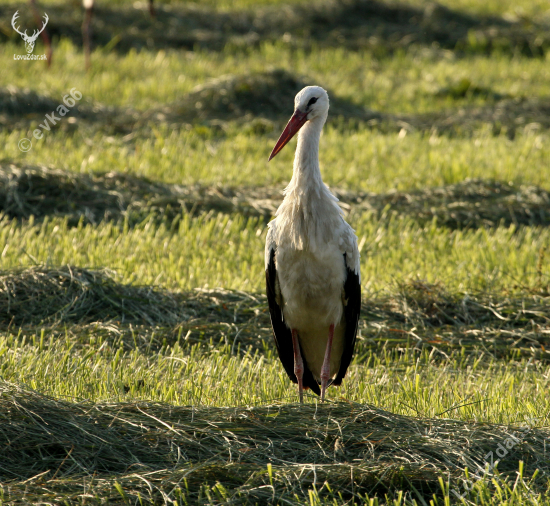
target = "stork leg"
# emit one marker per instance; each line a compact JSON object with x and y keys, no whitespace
{"x":86,"y":35}
{"x":298,"y":365}
{"x":325,"y":370}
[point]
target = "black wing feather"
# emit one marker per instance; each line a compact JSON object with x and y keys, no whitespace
{"x":281,"y":333}
{"x":352,"y":290}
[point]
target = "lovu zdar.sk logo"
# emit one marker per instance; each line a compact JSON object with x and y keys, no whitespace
{"x":29,"y":39}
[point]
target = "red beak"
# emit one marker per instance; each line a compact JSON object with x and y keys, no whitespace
{"x":294,"y":124}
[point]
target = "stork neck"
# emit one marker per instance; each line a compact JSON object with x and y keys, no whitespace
{"x":307,"y":174}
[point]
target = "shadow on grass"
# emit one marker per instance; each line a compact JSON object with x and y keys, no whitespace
{"x":380,"y":26}
{"x":35,"y":191}
{"x":151,"y":447}
{"x":85,"y":303}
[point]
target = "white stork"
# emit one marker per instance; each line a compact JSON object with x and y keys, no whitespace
{"x":311,"y":262}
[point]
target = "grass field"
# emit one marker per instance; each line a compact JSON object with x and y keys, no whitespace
{"x":136,"y":357}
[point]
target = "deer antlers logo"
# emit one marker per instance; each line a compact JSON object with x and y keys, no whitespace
{"x":29,"y":39}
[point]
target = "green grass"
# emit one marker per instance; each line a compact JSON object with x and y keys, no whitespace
{"x":225,"y":251}
{"x":356,"y":160}
{"x":407,"y":82}
{"x":483,"y":390}
{"x":364,"y":159}
{"x":422,"y":398}
{"x":204,"y":365}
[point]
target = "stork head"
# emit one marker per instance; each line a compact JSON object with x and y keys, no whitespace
{"x":310,"y":104}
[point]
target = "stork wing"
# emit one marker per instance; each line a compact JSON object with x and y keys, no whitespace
{"x":281,"y":333}
{"x":352,"y":290}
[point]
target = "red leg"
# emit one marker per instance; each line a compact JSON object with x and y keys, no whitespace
{"x":325,"y":370}
{"x":298,"y":364}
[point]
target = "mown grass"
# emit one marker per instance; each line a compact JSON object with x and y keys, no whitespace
{"x":202,"y":454}
{"x":452,"y":353}
{"x":227,"y":251}
{"x":361,"y":160}
{"x":412,"y":384}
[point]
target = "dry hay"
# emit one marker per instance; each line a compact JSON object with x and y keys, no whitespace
{"x":55,"y":449}
{"x":472,"y":203}
{"x":264,"y":95}
{"x":92,"y":302}
{"x":503,"y":115}
{"x":426,"y":316}
{"x":269,"y":95}
{"x":88,"y":303}
{"x":417,"y":315}
{"x":262,"y":102}
{"x":70,"y":294}
{"x":384,"y":26}
{"x":381,"y":27}
{"x":39,"y":191}
{"x":506,"y":116}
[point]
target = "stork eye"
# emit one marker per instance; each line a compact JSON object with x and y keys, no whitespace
{"x":312,"y":101}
